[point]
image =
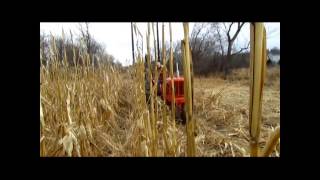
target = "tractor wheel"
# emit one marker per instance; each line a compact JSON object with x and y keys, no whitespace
{"x":180,"y":115}
{"x":183,"y":116}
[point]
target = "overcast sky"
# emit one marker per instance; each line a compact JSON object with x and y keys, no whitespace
{"x":116,"y":37}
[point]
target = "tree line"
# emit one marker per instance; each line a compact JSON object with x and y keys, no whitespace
{"x":75,"y":48}
{"x":214,"y":49}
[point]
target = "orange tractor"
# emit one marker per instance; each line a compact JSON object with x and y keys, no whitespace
{"x":179,"y":92}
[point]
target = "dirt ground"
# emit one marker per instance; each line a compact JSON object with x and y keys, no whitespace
{"x":221,"y":112}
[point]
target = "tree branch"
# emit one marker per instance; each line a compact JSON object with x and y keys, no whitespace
{"x":228,"y":33}
{"x":203,"y":38}
{"x":220,"y":41}
{"x":196,"y":38}
{"x":237,"y":32}
{"x":242,"y":49}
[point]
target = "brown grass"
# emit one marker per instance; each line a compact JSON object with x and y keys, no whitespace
{"x":108,"y":119}
{"x":221,"y":110}
{"x":88,"y":111}
{"x":242,"y":74}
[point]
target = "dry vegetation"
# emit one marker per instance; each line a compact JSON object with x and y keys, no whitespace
{"x":221,"y":110}
{"x":101,"y":112}
{"x":98,"y":112}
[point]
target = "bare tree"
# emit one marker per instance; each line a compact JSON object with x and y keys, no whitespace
{"x":202,"y":40}
{"x":91,"y":46}
{"x":217,"y":28}
{"x":44,"y":48}
{"x":205,"y":47}
{"x":230,"y":42}
{"x":72,"y":48}
{"x":231,"y":38}
{"x":213,"y":47}
{"x":85,"y":36}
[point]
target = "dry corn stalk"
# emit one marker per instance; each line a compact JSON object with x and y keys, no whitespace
{"x":42,"y":126}
{"x":188,"y":92}
{"x":153,"y":123}
{"x":271,"y":143}
{"x":41,"y":115}
{"x":156,"y":75}
{"x":164,"y":71}
{"x":69,"y":142}
{"x":164,"y":65}
{"x":173,"y":109}
{"x":69,"y":109}
{"x":257,"y":74}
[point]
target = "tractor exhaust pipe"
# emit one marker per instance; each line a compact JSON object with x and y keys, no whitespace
{"x":177,"y":70}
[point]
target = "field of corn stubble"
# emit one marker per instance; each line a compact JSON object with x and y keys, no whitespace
{"x":102,"y":112}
